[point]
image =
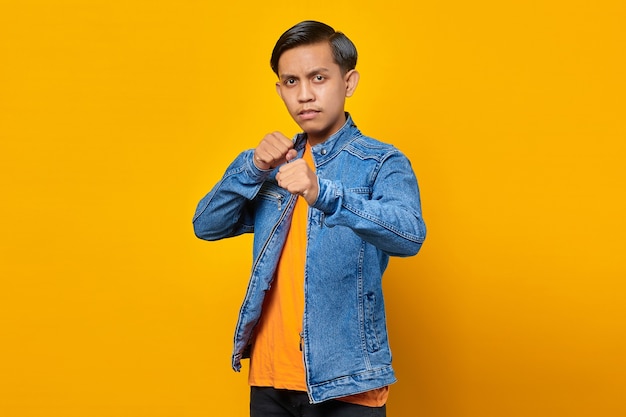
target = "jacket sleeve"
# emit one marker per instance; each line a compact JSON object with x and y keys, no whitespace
{"x":224,"y":211}
{"x":390,"y":218}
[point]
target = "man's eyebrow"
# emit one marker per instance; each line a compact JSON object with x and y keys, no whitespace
{"x":287,"y":76}
{"x":318,"y":70}
{"x":309,"y":74}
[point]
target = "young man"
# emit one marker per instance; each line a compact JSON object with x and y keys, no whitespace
{"x":327,"y":210}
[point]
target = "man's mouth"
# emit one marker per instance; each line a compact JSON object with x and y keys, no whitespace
{"x":307,"y":114}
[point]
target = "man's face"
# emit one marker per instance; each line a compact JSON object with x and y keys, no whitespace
{"x":314,"y":89}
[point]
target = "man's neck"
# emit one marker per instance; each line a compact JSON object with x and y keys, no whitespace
{"x":316,"y":140}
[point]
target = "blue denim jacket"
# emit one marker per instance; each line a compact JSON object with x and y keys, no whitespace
{"x":368,"y":208}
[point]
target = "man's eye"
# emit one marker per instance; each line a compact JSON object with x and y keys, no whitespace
{"x":319,"y":78}
{"x":290,"y":81}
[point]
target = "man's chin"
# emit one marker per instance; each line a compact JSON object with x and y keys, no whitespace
{"x":313,"y":130}
{"x":308,"y":127}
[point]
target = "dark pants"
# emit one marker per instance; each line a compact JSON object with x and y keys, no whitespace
{"x":271,"y":402}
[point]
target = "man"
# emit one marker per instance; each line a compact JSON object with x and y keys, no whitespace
{"x":327,"y":210}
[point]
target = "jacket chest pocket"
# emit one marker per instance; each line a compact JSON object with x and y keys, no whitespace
{"x":270,"y":196}
{"x":361,"y":191}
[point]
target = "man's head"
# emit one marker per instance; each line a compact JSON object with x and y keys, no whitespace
{"x":310,"y":32}
{"x":315,"y":68}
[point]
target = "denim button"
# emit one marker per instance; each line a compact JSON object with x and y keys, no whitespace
{"x":323,"y":152}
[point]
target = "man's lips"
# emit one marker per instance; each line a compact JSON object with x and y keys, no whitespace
{"x":308,"y":114}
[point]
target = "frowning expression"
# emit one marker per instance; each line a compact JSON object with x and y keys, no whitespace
{"x":314,"y":89}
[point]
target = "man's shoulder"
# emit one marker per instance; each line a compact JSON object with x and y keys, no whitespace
{"x":369,"y":145}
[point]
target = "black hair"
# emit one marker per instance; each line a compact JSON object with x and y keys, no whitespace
{"x":310,"y":32}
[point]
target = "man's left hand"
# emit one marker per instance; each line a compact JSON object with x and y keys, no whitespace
{"x":297,"y":178}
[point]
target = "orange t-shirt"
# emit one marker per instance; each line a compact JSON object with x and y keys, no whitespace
{"x":276,"y":358}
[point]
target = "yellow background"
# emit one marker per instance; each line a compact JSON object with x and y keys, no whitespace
{"x":116,"y":117}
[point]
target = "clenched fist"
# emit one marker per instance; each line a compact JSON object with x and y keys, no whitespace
{"x":298,"y":178}
{"x":275,"y":149}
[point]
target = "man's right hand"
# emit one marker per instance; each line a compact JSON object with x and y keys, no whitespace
{"x":275,"y":149}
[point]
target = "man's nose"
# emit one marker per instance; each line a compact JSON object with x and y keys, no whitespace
{"x":305,"y":93}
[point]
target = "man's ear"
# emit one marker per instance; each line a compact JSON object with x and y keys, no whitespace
{"x":278,"y":89}
{"x":352,"y":80}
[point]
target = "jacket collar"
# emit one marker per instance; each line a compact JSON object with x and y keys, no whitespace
{"x":334,"y":144}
